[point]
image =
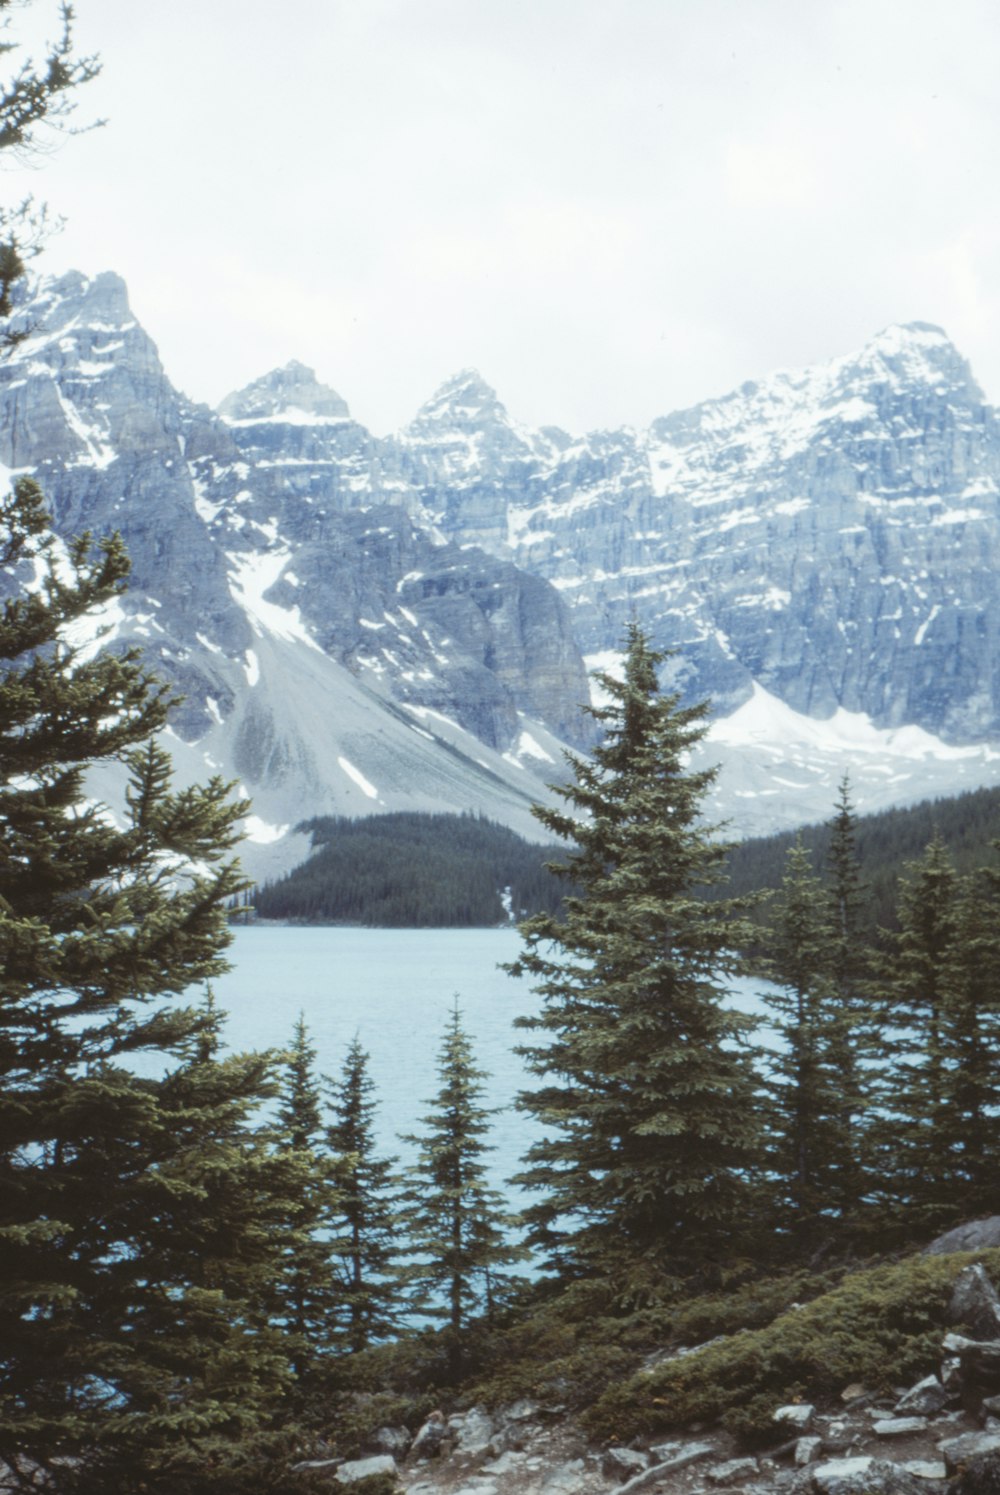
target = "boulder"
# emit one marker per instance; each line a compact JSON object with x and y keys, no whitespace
{"x":899,"y":1427}
{"x":925,"y":1468}
{"x":957,"y":1452}
{"x":358,"y":1469}
{"x":731,"y":1471}
{"x":979,"y":1359}
{"x":690,"y":1453}
{"x":974,"y":1236}
{"x":864,"y":1476}
{"x":838,"y":1437}
{"x":796,"y":1416}
{"x":979,"y":1476}
{"x":808,"y":1450}
{"x":623,"y":1463}
{"x":524,"y":1410}
{"x":474,"y":1430}
{"x":924,"y":1399}
{"x":975,"y":1304}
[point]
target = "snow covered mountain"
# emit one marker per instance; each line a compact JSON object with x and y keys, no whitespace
{"x":361,"y":622}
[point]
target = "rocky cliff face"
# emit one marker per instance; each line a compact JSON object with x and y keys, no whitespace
{"x":215,"y":507}
{"x":831,"y":535}
{"x":823,"y":543}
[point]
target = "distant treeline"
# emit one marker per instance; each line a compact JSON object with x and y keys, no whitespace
{"x":414,"y":871}
{"x":422,"y":870}
{"x":886,"y":841}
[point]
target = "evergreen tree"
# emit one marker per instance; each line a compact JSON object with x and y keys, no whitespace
{"x":35,"y":100}
{"x":854,"y":1038}
{"x":367,"y":1224}
{"x":203,"y":1372}
{"x":457,"y":1228}
{"x":101,"y":919}
{"x":646,"y":1091}
{"x":913,"y":987}
{"x":967,"y":1140}
{"x":307,"y":1298}
{"x":808,"y":1147}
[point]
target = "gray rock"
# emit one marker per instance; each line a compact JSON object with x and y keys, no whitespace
{"x":808,"y":1450}
{"x":509,"y":1462}
{"x":731,"y":1471}
{"x":980,"y":1475}
{"x":924,"y":1399}
{"x":474,"y":1430}
{"x":523,"y":1410}
{"x":956,"y":1452}
{"x":358,"y":1469}
{"x":974,"y":1303}
{"x":837,"y":1475}
{"x":623,"y":1463}
{"x":925,"y":1468}
{"x":691,"y":1453}
{"x":838,"y":1437}
{"x":863,"y":1476}
{"x":661,"y":1452}
{"x":564,"y":1479}
{"x":979,"y":1360}
{"x":796,"y":1416}
{"x":899,"y":1427}
{"x":974,"y":1236}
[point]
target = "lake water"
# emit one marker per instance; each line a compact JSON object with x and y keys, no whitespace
{"x":394,"y":989}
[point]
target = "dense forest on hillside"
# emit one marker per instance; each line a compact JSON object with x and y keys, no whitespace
{"x":411,"y":870}
{"x":421,"y":870}
{"x":967,"y":824}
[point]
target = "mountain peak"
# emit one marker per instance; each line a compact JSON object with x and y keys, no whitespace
{"x":917,"y":353}
{"x":56,"y":298}
{"x":292,"y":393}
{"x":466,"y":401}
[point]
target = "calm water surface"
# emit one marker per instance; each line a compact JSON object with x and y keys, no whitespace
{"x":394,"y":989}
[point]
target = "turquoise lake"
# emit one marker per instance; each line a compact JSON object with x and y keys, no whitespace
{"x":394,"y":988}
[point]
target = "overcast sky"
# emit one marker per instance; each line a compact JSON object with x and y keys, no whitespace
{"x":611,"y":208}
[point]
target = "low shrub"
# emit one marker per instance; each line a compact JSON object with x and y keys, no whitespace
{"x":881,"y":1326}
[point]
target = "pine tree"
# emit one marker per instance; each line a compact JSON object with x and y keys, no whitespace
{"x":203,"y":1372}
{"x":367,"y":1224}
{"x":646,"y":1090}
{"x":807,"y":1142}
{"x":967,"y":1143}
{"x":457,"y":1226}
{"x":103,"y":1173}
{"x":913,"y":987}
{"x":856,"y":1040}
{"x":307,"y":1299}
{"x":35,"y":100}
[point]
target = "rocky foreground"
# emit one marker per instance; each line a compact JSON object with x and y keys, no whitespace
{"x":910,"y":1443}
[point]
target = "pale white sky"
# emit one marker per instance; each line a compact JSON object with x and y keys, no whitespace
{"x":612,"y":208}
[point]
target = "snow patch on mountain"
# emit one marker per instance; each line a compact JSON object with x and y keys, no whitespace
{"x":778,"y":768}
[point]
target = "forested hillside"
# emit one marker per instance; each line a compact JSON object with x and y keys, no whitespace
{"x":418,"y":871}
{"x":967,"y":825}
{"x":414,"y":871}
